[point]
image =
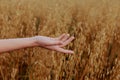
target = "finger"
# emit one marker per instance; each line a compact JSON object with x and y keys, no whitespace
{"x":64,"y":50}
{"x":56,"y":48}
{"x":65,"y":37}
{"x":67,"y":42}
{"x":54,"y":43}
{"x":62,"y":36}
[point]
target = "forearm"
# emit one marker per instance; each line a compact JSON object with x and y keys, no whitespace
{"x":16,"y":43}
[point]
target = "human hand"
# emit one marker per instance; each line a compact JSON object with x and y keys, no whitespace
{"x":56,"y":44}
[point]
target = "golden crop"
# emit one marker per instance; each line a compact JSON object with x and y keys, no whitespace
{"x":94,"y":23}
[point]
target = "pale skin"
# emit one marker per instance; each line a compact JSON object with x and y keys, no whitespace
{"x":50,"y":43}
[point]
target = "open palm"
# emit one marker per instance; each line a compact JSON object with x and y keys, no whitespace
{"x":56,"y":44}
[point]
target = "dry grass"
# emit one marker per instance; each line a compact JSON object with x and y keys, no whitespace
{"x":94,"y":23}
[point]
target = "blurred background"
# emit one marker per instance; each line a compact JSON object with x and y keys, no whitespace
{"x":94,"y":23}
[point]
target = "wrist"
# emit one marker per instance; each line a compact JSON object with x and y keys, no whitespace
{"x":35,"y":41}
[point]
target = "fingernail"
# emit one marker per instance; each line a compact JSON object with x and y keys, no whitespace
{"x":73,"y":37}
{"x":68,"y":34}
{"x":72,"y":52}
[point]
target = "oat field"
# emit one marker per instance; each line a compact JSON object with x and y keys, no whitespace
{"x":94,"y":23}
